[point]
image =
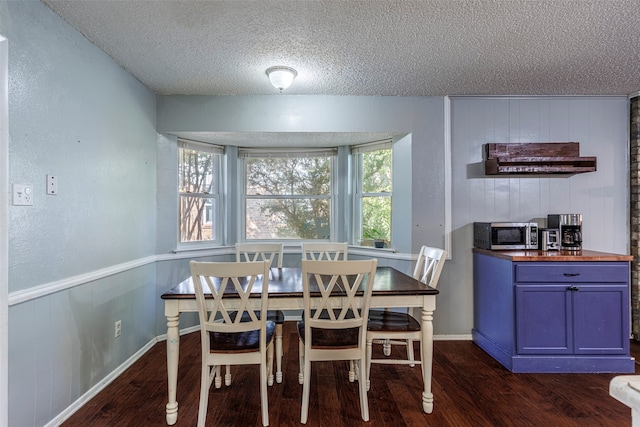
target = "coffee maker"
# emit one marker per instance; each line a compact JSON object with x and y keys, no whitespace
{"x":570,"y":226}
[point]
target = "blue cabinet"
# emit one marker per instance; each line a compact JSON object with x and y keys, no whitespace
{"x":576,"y":319}
{"x":564,"y":316}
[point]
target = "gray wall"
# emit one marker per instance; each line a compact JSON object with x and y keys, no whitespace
{"x":102,"y":249}
{"x":419,"y":157}
{"x":74,"y":113}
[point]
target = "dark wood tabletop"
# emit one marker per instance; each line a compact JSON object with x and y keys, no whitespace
{"x":287,"y":283}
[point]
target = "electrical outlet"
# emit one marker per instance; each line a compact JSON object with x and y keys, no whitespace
{"x":22,"y":195}
{"x":117,"y":328}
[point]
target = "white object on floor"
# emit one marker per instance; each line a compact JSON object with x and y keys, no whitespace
{"x":626,"y":389}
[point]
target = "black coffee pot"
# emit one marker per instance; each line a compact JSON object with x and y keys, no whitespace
{"x":571,"y":232}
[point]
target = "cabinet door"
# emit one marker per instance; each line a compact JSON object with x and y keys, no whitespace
{"x":600,"y":319}
{"x":543,"y":319}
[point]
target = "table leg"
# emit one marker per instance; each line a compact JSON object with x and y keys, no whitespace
{"x":427,"y":359}
{"x":173,"y":350}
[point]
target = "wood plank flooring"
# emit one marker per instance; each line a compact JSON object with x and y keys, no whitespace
{"x":470,"y":389}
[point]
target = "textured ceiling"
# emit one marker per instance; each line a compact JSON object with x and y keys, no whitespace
{"x":394,"y":48}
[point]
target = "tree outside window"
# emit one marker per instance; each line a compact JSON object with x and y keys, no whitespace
{"x":288,"y":196}
{"x":375,"y":192}
{"x":198,"y":170}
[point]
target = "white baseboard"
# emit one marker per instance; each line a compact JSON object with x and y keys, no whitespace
{"x":457,"y":337}
{"x":93,"y":391}
{"x":184,"y":331}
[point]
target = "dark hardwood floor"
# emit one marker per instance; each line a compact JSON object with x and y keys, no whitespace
{"x":470,"y":389}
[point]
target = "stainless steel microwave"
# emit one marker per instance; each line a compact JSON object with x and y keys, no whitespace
{"x":505,"y":235}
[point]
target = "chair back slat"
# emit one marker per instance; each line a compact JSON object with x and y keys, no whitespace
{"x":248,"y":252}
{"x":241,"y":278}
{"x":352,"y":280}
{"x":324,"y":251}
{"x":429,"y":265}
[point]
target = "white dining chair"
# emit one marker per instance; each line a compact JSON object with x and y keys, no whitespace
{"x":335,"y":329}
{"x":260,"y":252}
{"x":396,"y":328}
{"x":327,"y":251}
{"x":232,"y":336}
{"x":268,"y":251}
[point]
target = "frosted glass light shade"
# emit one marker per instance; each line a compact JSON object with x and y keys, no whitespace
{"x":281,"y":77}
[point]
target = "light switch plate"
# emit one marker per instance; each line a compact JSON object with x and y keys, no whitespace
{"x":22,"y":194}
{"x":52,"y":184}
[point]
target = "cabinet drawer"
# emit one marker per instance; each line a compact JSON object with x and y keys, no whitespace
{"x":571,"y":272}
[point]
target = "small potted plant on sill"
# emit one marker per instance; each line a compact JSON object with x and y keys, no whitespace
{"x":376,"y":236}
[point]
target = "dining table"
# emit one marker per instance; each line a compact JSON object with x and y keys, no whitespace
{"x":391,"y":289}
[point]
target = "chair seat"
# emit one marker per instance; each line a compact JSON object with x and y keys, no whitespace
{"x":391,"y":321}
{"x":241,"y":341}
{"x":331,"y":338}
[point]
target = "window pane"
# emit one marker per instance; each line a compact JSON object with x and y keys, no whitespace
{"x":288,"y":218}
{"x":376,"y":217}
{"x":289,"y":176}
{"x":195,"y":169}
{"x":376,"y":171}
{"x":196,"y":222}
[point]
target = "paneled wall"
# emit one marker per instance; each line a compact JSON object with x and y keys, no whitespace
{"x":599,"y":124}
{"x":634,"y":212}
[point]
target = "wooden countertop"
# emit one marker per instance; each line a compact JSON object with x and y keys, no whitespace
{"x":583,"y":255}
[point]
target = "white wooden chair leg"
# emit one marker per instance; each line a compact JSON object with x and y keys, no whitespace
{"x":352,"y":373}
{"x":279,"y":353}
{"x":205,"y":383}
{"x":386,"y":348}
{"x":301,"y":361}
{"x":362,"y":387}
{"x":270,"y":365}
{"x":218,"y":378}
{"x":304,"y":412}
{"x":410,"y":355}
{"x":264,"y":405}
{"x":369,"y":355}
{"x":227,"y":376}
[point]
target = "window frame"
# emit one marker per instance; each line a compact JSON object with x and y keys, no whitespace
{"x":251,"y":153}
{"x":357,"y":152}
{"x":216,"y":195}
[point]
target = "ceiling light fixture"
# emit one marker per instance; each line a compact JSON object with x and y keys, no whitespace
{"x":281,"y":77}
